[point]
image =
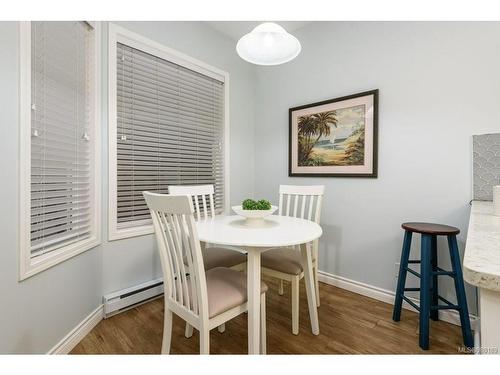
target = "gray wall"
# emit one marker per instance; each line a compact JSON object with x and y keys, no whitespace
{"x":439,"y":84}
{"x":36,"y":313}
{"x":132,"y":261}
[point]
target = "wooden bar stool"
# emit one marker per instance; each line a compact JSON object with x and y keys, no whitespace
{"x":429,"y":272}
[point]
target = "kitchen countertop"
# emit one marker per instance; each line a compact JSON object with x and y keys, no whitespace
{"x":481,"y":264}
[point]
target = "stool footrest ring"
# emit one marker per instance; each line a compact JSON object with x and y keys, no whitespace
{"x":445,"y":307}
{"x":448,"y":306}
{"x":446,"y":301}
{"x":415,"y":273}
{"x":442,"y":272}
{"x":412,"y":289}
{"x":415,"y":289}
{"x":413,"y":304}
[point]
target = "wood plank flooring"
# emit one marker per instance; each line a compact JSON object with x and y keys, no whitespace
{"x":349,"y":324}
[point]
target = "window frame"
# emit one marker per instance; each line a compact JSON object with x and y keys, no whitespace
{"x":28,"y":266}
{"x":122,"y":35}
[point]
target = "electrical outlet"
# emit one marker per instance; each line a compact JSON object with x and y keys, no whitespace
{"x":396,"y":270}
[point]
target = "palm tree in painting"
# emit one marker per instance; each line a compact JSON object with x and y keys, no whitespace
{"x":355,"y":151}
{"x":310,"y":129}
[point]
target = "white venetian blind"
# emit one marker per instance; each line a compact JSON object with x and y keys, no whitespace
{"x":61,"y":134}
{"x":170,"y":128}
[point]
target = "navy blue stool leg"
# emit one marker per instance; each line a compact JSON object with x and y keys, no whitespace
{"x":403,"y":264}
{"x":460,"y":290}
{"x":425,"y":280}
{"x":434,"y":263}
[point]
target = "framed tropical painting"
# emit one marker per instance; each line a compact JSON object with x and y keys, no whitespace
{"x":336,"y":138}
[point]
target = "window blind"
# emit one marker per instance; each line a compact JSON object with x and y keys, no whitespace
{"x":170,"y":129}
{"x":61,"y":135}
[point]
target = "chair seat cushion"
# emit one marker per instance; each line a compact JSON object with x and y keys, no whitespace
{"x":284,"y":260}
{"x":222,"y":257}
{"x":226,"y":289}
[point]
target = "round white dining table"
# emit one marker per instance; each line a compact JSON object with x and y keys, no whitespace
{"x":274,"y":231}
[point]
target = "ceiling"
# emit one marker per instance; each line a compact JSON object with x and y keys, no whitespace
{"x":236,"y":29}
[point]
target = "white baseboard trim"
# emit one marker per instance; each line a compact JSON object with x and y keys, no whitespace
{"x":387,"y":296}
{"x":78,"y":333}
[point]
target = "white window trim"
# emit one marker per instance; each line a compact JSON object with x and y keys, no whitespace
{"x":28,"y":266}
{"x":122,"y":35}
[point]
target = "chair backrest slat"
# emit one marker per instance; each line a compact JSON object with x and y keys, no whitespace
{"x":171,"y":256}
{"x":288,"y":200}
{"x":303,"y":208}
{"x":190,"y":265}
{"x":180,"y":251}
{"x":199,"y":194}
{"x":179,"y":239}
{"x":165,"y":256}
{"x":189,"y":290}
{"x":197,"y":204}
{"x":295,"y":205}
{"x":318,"y":209}
{"x":204,"y":201}
{"x":178,"y":287}
{"x":212,"y":206}
{"x":280,"y":205}
{"x":311,"y":205}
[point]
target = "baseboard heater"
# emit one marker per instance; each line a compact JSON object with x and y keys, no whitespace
{"x":125,"y":299}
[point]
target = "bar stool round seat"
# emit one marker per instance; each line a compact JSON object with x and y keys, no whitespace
{"x":430,"y":228}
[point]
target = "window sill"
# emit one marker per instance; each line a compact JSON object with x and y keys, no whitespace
{"x":31,"y":267}
{"x":123,"y":233}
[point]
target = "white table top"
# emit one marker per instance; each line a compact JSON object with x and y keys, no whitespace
{"x":482,"y":249}
{"x":276,"y":231}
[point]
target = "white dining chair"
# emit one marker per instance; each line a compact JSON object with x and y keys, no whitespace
{"x":213,"y":256}
{"x":204,"y":299}
{"x":204,"y":208}
{"x":286,"y":263}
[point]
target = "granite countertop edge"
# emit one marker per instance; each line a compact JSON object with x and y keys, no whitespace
{"x":481,"y":262}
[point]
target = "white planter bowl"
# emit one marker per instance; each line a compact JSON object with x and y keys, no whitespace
{"x":254,"y":216}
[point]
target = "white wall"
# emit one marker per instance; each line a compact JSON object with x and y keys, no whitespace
{"x":36,"y":313}
{"x":439,"y":84}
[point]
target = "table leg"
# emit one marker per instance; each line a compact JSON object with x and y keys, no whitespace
{"x":253,"y":285}
{"x":310,"y":291}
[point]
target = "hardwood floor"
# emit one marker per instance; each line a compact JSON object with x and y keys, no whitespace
{"x":349,"y":324}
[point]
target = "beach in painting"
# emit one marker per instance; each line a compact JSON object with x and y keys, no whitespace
{"x":332,"y":138}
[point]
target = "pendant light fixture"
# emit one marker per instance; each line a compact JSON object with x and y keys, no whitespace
{"x":268,"y":44}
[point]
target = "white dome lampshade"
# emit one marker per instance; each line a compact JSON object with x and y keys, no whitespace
{"x":268,"y":44}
